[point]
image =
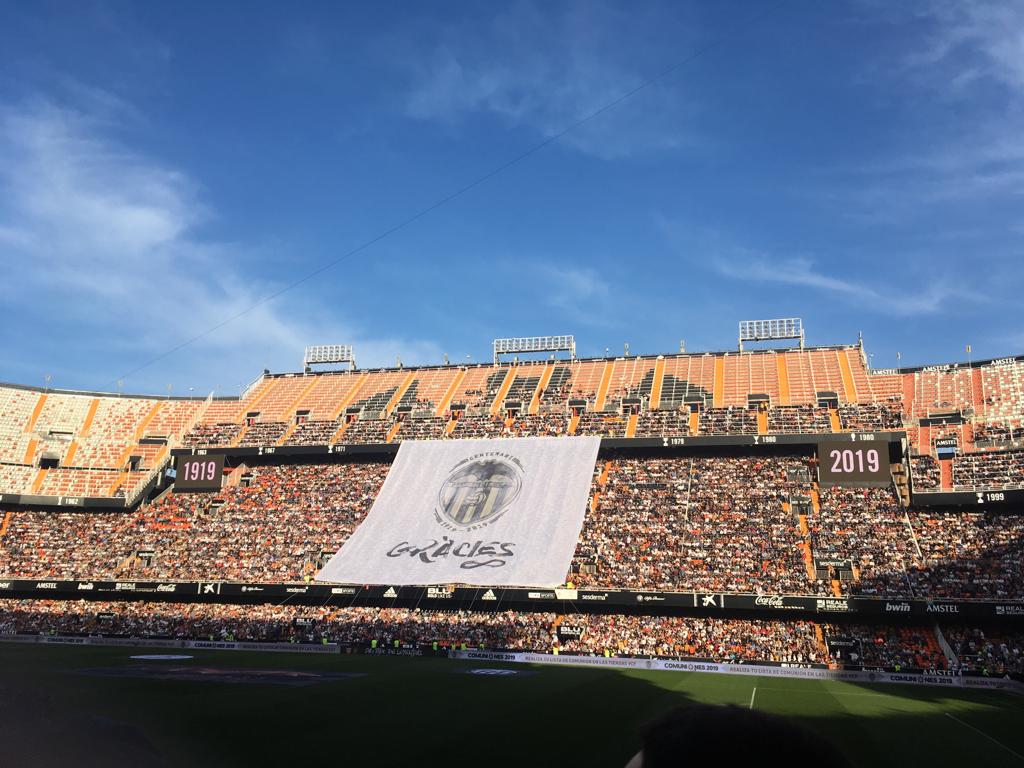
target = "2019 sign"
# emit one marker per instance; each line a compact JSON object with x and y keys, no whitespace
{"x":854,"y":463}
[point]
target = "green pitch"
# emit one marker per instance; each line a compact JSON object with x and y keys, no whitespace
{"x":75,"y":706}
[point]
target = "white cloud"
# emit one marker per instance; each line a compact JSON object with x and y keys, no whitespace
{"x":578,"y":293}
{"x":101,"y":251}
{"x":966,"y":57}
{"x":969,"y":41}
{"x":936,"y":294}
{"x":545,"y":69}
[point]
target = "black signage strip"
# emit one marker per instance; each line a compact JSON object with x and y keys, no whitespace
{"x":710,"y":441}
{"x":78,"y":502}
{"x":499,"y":598}
{"x":1014,"y":497}
{"x":947,"y":367}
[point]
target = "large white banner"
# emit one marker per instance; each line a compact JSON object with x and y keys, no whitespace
{"x":481,"y":512}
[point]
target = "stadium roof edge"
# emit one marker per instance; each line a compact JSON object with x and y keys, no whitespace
{"x":491,"y":364}
{"x":951,"y":366}
{"x":577,"y":361}
{"x":92,"y":393}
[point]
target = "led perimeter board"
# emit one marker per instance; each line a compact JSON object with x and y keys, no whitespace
{"x":854,"y":463}
{"x":199,"y":473}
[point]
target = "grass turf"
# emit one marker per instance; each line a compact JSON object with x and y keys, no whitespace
{"x":429,"y":711}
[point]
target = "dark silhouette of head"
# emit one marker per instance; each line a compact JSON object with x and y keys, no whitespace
{"x":726,"y":736}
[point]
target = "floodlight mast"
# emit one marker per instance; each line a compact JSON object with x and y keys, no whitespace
{"x":771,"y":330}
{"x":532,"y":344}
{"x":328,"y":354}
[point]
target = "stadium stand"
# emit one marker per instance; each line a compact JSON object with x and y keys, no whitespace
{"x":275,"y":527}
{"x":1002,"y":469}
{"x":702,"y":524}
{"x":724,"y":524}
{"x":735,"y":521}
{"x":814,"y":390}
{"x":869,"y":527}
{"x":927,"y":474}
{"x":799,"y":420}
{"x":968,"y":554}
{"x":601,"y":424}
{"x":669,"y":637}
{"x":733,"y":420}
{"x":888,"y":647}
{"x":312,"y":432}
{"x":988,"y":651}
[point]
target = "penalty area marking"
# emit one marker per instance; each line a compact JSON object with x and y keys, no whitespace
{"x":990,"y":738}
{"x":753,"y":693}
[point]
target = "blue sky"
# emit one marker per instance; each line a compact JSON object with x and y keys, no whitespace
{"x":164,"y":167}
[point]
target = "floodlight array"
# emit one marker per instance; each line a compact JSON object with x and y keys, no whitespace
{"x":528,"y":344}
{"x":769,"y":330}
{"x":324,"y":354}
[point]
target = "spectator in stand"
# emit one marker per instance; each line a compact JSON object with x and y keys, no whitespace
{"x":926,"y":472}
{"x":704,"y":524}
{"x":872,"y":417}
{"x":997,"y":469}
{"x":669,"y":637}
{"x":716,"y":525}
{"x":990,"y":651}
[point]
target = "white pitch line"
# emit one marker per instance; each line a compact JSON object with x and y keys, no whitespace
{"x":753,"y":693}
{"x":990,"y":738}
{"x":838,"y":693}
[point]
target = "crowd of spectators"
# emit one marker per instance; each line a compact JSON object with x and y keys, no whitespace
{"x":996,"y":469}
{"x":868,"y":526}
{"x":367,"y":431}
{"x":926,"y":472}
{"x":999,"y":433}
{"x":470,"y":426}
{"x":429,"y":428}
{"x":664,"y":423}
{"x":799,"y":420}
{"x":667,"y":422}
{"x":276,"y":529}
{"x":733,"y":420}
{"x":968,"y":554}
{"x":701,"y":524}
{"x":211,"y":435}
{"x":890,"y":647}
{"x":537,"y":425}
{"x":601,"y":423}
{"x":721,"y":640}
{"x":871,"y":417}
{"x":313,"y":432}
{"x":988,"y":651}
{"x":263,"y":433}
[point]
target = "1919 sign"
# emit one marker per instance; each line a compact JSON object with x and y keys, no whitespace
{"x":199,"y":473}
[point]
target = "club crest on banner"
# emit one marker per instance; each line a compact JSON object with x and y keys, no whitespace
{"x":479,"y":490}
